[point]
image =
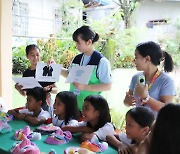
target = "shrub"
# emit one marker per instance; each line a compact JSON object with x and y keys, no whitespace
{"x":118,"y":119}
{"x":20,"y":63}
{"x":62,"y":51}
{"x":66,"y":58}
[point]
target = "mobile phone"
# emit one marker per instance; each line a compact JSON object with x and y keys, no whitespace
{"x":141,"y":80}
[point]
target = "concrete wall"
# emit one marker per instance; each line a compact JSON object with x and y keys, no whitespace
{"x":6,"y":52}
{"x":151,"y":10}
{"x":40,"y":16}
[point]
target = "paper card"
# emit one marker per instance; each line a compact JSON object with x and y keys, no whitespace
{"x":80,"y":74}
{"x":48,"y":73}
{"x":27,"y":82}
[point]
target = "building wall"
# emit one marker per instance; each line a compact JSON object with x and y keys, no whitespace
{"x":6,"y":52}
{"x":151,"y":10}
{"x":98,"y":13}
{"x":40,"y":17}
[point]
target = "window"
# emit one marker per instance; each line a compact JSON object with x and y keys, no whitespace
{"x":20,"y":18}
{"x":57,"y":20}
{"x":152,"y":23}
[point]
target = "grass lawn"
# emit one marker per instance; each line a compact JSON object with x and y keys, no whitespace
{"x":121,"y":81}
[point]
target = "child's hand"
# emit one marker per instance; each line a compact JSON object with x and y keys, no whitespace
{"x":130,"y":100}
{"x":48,"y":88}
{"x":11,"y":112}
{"x":122,"y":149}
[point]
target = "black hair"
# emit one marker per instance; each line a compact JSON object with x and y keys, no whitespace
{"x":38,"y":93}
{"x":153,"y":50}
{"x":142,"y":116}
{"x":99,"y":103}
{"x":70,"y":102}
{"x":85,"y":33}
{"x":31,"y":47}
{"x":166,"y":133}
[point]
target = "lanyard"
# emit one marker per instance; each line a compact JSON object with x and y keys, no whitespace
{"x":154,"y":79}
{"x":156,"y":75}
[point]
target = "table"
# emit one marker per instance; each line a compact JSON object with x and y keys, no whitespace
{"x":6,"y":142}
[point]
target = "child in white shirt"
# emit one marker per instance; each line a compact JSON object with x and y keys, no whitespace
{"x":65,"y":109}
{"x":33,"y":113}
{"x":96,"y":119}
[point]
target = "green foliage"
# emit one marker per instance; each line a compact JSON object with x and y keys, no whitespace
{"x":70,"y":21}
{"x":109,"y":50}
{"x":66,"y":58}
{"x":172,"y":45}
{"x":48,"y":48}
{"x":116,"y":42}
{"x":20,"y":63}
{"x":118,"y":119}
{"x":127,"y":7}
{"x":62,"y":51}
{"x":126,"y":41}
{"x":176,"y":98}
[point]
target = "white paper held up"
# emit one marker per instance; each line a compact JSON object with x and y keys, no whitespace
{"x":27,"y":82}
{"x":80,"y":74}
{"x":48,"y":73}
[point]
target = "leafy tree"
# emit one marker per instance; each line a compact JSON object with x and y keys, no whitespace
{"x":127,"y":7}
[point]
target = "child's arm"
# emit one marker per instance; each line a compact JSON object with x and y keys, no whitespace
{"x":74,"y":129}
{"x":16,"y":114}
{"x":87,"y":136}
{"x":114,"y":140}
{"x":34,"y":120}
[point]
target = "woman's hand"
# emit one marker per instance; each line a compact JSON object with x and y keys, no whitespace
{"x":80,"y":86}
{"x":142,"y":90}
{"x":129,"y":100}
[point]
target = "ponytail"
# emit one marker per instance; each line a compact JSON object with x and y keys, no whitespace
{"x":168,"y":62}
{"x":95,"y":38}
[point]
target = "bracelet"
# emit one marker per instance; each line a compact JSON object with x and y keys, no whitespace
{"x":145,"y":100}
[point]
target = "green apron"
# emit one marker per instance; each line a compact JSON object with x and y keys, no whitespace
{"x":83,"y":94}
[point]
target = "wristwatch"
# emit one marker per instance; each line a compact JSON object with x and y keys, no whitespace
{"x":145,"y":100}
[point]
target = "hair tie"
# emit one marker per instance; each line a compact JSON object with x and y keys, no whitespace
{"x":163,"y":55}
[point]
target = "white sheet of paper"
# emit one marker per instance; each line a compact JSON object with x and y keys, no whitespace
{"x":80,"y":74}
{"x":27,"y":82}
{"x":45,"y":73}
